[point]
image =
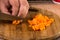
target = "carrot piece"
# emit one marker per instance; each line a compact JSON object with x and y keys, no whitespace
{"x":40,"y":21}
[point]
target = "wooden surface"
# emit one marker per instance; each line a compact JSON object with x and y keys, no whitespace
{"x":23,"y":32}
{"x":55,"y":8}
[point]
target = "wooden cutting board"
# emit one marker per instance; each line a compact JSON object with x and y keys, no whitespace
{"x":22,"y":31}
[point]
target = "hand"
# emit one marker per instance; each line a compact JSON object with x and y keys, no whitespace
{"x":17,"y":5}
{"x":24,"y":6}
{"x":5,"y":4}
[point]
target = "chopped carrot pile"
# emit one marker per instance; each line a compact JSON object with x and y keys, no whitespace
{"x":16,"y":22}
{"x":40,"y":22}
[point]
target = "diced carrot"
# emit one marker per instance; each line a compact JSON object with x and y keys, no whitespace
{"x":39,"y":22}
{"x":16,"y":22}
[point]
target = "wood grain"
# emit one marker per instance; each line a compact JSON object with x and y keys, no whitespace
{"x":23,"y":32}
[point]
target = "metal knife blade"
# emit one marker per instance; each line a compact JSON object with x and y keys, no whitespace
{"x":9,"y":17}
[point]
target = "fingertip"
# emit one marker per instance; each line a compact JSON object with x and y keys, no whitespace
{"x":13,"y":14}
{"x":19,"y":14}
{"x":6,"y":13}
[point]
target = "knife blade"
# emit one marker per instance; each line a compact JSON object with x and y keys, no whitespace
{"x":8,"y":17}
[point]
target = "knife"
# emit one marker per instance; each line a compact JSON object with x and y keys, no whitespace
{"x":6,"y":17}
